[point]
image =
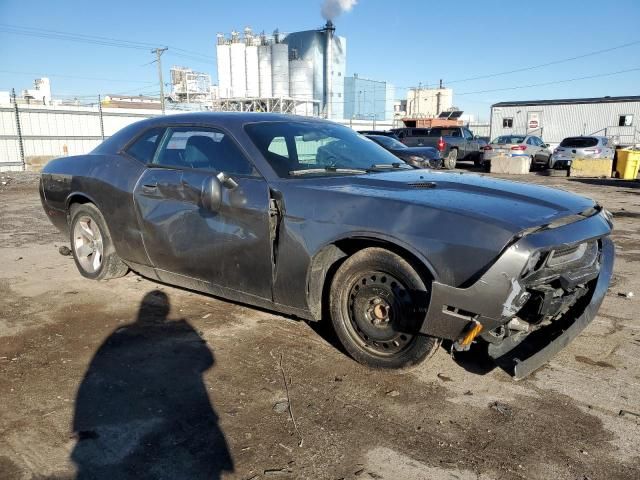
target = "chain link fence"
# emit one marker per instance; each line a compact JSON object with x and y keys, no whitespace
{"x":32,"y":134}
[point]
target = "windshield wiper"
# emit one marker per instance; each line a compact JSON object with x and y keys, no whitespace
{"x":310,"y":171}
{"x":387,"y":166}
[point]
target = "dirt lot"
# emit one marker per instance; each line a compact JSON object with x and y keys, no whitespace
{"x":97,"y":381}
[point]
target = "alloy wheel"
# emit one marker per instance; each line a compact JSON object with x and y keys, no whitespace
{"x":87,"y":244}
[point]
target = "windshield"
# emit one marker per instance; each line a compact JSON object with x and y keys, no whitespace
{"x":508,"y":139}
{"x":579,"y":142}
{"x":388,"y":142}
{"x":317,"y":148}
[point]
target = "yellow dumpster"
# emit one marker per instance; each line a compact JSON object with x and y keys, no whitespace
{"x":628,"y":163}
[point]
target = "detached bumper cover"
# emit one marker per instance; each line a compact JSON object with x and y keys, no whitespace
{"x":521,"y":355}
{"x":498,"y":294}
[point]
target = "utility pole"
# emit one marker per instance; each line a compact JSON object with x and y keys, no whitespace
{"x":159,"y":52}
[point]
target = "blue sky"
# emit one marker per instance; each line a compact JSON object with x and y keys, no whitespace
{"x":404,"y":42}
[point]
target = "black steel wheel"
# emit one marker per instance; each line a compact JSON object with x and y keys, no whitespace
{"x":378,"y":303}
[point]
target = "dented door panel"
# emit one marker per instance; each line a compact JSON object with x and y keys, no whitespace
{"x":226,"y":248}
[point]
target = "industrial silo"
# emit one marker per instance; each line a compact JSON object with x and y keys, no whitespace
{"x":301,"y":85}
{"x":223,"y":60}
{"x":280,"y":67}
{"x":301,"y":79}
{"x":264,"y":69}
{"x":238,"y":67}
{"x":251,"y":62}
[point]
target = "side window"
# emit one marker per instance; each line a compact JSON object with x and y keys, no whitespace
{"x":625,"y":120}
{"x":144,"y":147}
{"x":279,"y":146}
{"x":467,"y":134}
{"x":205,"y":149}
{"x":531,"y":141}
{"x":507,"y":122}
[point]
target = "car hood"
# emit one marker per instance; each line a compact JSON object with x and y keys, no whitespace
{"x":514,"y":206}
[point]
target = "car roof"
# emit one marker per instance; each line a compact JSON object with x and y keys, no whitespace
{"x":599,"y":137}
{"x":229,"y":118}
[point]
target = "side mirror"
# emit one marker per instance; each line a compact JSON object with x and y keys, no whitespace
{"x":475,"y":137}
{"x":212,"y":194}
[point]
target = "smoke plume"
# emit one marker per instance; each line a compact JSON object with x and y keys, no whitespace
{"x":332,"y":8}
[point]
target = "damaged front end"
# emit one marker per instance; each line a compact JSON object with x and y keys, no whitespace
{"x":537,"y":297}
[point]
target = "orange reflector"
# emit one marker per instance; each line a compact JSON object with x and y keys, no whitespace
{"x":471,"y":334}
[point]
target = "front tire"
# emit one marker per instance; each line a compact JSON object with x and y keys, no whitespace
{"x":377,"y":305}
{"x":452,"y":159}
{"x":91,"y":244}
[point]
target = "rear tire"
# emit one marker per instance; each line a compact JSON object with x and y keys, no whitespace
{"x":91,"y":244}
{"x":377,"y":304}
{"x":452,"y":159}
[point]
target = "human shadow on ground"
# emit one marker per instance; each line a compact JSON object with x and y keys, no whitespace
{"x":142,"y":410}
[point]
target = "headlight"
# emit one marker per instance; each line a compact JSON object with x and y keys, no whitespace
{"x":416,"y":158}
{"x":608,"y":216}
{"x":562,"y":255}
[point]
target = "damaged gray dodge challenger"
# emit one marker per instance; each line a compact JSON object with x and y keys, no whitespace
{"x":306,"y":217}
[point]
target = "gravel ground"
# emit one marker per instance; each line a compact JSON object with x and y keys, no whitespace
{"x":131,"y":378}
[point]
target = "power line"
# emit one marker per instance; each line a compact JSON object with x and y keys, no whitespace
{"x":96,"y":40}
{"x":76,"y":77}
{"x":552,"y":83}
{"x":555,"y":62}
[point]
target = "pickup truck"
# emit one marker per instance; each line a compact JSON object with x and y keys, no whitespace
{"x":454,"y":143}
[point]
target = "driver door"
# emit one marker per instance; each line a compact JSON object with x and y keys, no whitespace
{"x":470,"y":144}
{"x":229,"y":248}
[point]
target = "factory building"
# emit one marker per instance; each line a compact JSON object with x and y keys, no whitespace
{"x":284,"y":72}
{"x":554,"y":120}
{"x":327,"y":53}
{"x":428,"y":102}
{"x":366,"y":99}
{"x":190,"y":86}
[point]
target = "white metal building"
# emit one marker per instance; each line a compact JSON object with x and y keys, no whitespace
{"x":554,"y":120}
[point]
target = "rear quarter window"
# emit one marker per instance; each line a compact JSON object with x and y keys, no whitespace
{"x":144,"y":148}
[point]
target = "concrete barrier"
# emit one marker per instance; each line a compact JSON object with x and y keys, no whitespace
{"x":505,"y":164}
{"x":591,"y":167}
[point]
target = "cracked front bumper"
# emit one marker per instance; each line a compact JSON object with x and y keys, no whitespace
{"x":523,"y":354}
{"x":498,"y":294}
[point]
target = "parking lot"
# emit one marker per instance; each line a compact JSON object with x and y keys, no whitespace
{"x":214,"y":389}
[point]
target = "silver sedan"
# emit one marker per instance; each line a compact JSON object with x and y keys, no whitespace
{"x":519,"y":146}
